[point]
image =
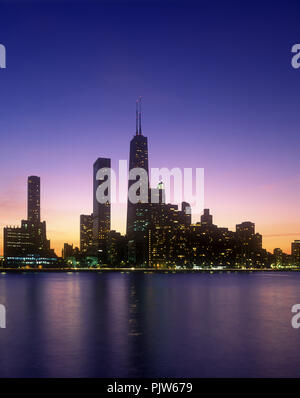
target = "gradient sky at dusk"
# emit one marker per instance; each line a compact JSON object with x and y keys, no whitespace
{"x":218,"y":92}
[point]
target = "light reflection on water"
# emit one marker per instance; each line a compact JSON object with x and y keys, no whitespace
{"x":133,"y":325}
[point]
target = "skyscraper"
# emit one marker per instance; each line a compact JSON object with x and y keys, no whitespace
{"x":138,"y":213}
{"x":30,"y":238}
{"x":86,"y":233}
{"x":245,"y":230}
{"x":67,"y":251}
{"x":17,"y":242}
{"x":34,"y":199}
{"x":101,"y":211}
{"x":138,"y":158}
{"x":296,"y":252}
{"x":278,"y":256}
{"x":186,"y":213}
{"x":250,"y":250}
{"x":206,"y":218}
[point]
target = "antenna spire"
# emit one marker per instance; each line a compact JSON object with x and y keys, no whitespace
{"x":137,"y":118}
{"x":140,"y":116}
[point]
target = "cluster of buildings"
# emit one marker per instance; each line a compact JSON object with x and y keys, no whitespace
{"x":28,"y":243}
{"x":158,"y":234}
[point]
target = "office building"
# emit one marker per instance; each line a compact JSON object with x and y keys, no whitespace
{"x":101,"y":209}
{"x":86,"y":234}
{"x":296,"y":253}
{"x":30,"y":238}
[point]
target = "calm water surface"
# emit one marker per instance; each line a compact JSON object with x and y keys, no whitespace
{"x":135,"y":325}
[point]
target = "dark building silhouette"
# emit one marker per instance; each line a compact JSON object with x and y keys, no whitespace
{"x":138,"y":213}
{"x":206,"y":218}
{"x":17,"y":241}
{"x":250,"y":252}
{"x":117,"y":249}
{"x":186,"y":213}
{"x":101,"y":211}
{"x":210,"y":245}
{"x":30,"y":239}
{"x":67,"y":251}
{"x":158,"y":195}
{"x":246,"y":234}
{"x":296,"y":253}
{"x":158,"y":234}
{"x":246,"y":230}
{"x":33,"y":224}
{"x":138,"y":158}
{"x":278,"y":257}
{"x":34,"y":199}
{"x":168,"y":234}
{"x":86,"y":234}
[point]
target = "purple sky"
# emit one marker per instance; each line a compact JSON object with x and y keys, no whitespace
{"x":218,"y":92}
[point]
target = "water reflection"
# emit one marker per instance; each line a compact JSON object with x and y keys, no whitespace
{"x":133,"y":325}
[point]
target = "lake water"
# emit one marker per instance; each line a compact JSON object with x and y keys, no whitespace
{"x":149,"y":325}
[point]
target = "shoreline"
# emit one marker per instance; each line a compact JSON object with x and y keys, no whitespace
{"x":144,"y":270}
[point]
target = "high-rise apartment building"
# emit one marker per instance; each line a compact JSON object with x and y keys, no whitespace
{"x":296,"y":253}
{"x":34,"y":199}
{"x":31,"y":237}
{"x":101,"y":208}
{"x":86,"y":233}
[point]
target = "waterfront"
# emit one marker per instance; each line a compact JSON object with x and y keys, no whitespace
{"x":134,"y":324}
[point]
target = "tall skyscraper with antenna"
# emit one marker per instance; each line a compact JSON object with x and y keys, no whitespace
{"x":137,"y":214}
{"x":138,"y":158}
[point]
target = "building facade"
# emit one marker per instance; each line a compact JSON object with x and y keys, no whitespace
{"x":86,"y":234}
{"x":31,"y":237}
{"x":296,"y":253}
{"x":138,"y":213}
{"x":101,"y":209}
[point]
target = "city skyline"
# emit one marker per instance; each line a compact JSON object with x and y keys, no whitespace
{"x":106,"y":162}
{"x":149,"y":194}
{"x":151,"y":226}
{"x":228,"y":104}
{"x":160,"y":235}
